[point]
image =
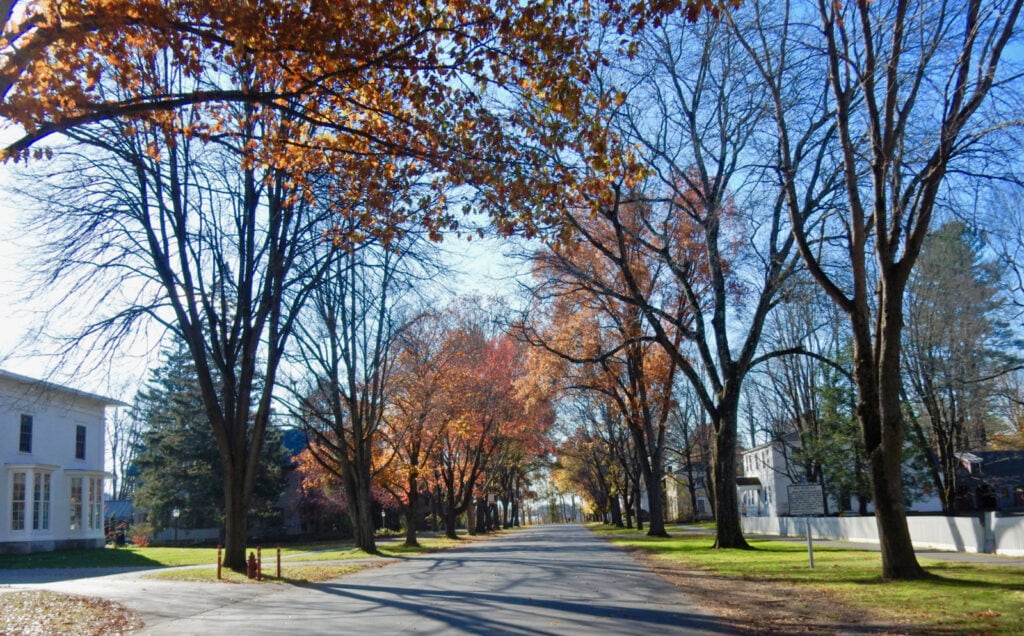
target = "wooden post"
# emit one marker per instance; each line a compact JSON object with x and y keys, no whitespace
{"x":810,"y":543}
{"x":259,"y":563}
{"x":278,"y":560}
{"x":219,"y":549}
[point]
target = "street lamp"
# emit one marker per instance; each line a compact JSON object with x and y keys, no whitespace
{"x":176,"y":513}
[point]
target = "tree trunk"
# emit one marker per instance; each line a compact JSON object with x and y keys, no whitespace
{"x":655,"y":499}
{"x":879,"y":410}
{"x":482,"y":516}
{"x":727,"y":511}
{"x":236,"y":507}
{"x":638,"y":502}
{"x":435,"y":501}
{"x":944,"y":487}
{"x":412,"y":513}
{"x":616,"y":510}
{"x":360,"y":504}
{"x":449,"y":522}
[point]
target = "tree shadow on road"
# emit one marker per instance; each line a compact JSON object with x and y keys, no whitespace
{"x":484,"y":612}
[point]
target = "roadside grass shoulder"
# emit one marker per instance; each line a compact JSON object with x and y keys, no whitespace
{"x":426,"y":545}
{"x":173,"y":556}
{"x":956,"y":597}
{"x":109,"y":557}
{"x":290,"y":574}
{"x":168,"y":556}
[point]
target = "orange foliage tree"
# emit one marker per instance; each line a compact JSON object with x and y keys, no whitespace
{"x":414,"y":419}
{"x":381,"y":96}
{"x":484,"y":93}
{"x":494,"y":421}
{"x":597,"y":342}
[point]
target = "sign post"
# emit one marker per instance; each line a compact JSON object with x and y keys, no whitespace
{"x":807,"y":500}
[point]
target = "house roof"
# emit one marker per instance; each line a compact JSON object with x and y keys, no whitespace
{"x":1005,"y":468}
{"x":57,"y":388}
{"x":118,"y":509}
{"x":792,"y":440}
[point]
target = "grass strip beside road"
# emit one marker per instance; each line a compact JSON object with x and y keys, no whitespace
{"x":322,"y":570}
{"x":157,"y":557}
{"x":955,"y":598}
{"x":290,"y":574}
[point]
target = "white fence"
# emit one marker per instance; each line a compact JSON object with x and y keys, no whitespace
{"x":987,"y":534}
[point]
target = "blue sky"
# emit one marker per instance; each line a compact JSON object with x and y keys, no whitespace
{"x":485,"y":271}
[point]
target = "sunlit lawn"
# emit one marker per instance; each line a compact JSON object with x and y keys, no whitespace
{"x":958,"y":597}
{"x":132,"y":556}
{"x":158,"y":557}
{"x":290,"y":573}
{"x":321,"y":571}
{"x":426,"y":546}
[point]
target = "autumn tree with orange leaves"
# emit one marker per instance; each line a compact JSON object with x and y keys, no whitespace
{"x":495,"y":422}
{"x":596,"y":455}
{"x":702,"y":215}
{"x":420,"y":398}
{"x":344,"y":350}
{"x":476,"y":93}
{"x":450,"y":93}
{"x":581,"y":317}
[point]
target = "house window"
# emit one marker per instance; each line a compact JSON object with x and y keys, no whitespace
{"x":79,"y":442}
{"x":76,"y":503}
{"x":25,"y":438}
{"x":41,"y":502}
{"x":96,"y":503}
{"x":18,"y":502}
{"x":702,"y":505}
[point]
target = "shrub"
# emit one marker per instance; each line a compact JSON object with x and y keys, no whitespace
{"x":141,"y":534}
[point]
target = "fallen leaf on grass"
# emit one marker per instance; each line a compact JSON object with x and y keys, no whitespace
{"x":32,"y":613}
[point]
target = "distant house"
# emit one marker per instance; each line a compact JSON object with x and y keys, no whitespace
{"x":51,"y":447}
{"x":680,"y":506}
{"x":990,"y":480}
{"x":768,"y":472}
{"x":762,"y":488}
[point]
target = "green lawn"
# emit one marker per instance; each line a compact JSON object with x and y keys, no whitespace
{"x":957,"y":597}
{"x":132,"y":556}
{"x":290,"y":573}
{"x":157,"y":557}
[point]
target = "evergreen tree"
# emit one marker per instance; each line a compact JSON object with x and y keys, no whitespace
{"x":179,"y":465}
{"x":956,"y":346}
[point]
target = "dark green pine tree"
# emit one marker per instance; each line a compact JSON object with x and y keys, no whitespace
{"x":179,"y":465}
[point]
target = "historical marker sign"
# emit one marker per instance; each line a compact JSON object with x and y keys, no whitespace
{"x":806,"y":499}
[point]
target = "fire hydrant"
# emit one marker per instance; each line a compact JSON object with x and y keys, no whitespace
{"x":252,"y":565}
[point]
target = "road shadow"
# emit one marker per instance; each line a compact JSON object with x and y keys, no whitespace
{"x":478,"y":612}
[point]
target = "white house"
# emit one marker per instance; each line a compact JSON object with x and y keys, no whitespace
{"x":679,"y":506}
{"x":763,"y":487}
{"x":52,"y":453}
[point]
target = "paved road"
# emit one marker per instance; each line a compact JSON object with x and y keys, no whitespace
{"x":540,"y":580}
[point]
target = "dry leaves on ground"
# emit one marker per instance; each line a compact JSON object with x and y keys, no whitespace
{"x":45,"y":613}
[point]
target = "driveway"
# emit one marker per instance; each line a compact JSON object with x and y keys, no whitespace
{"x":556,"y":579}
